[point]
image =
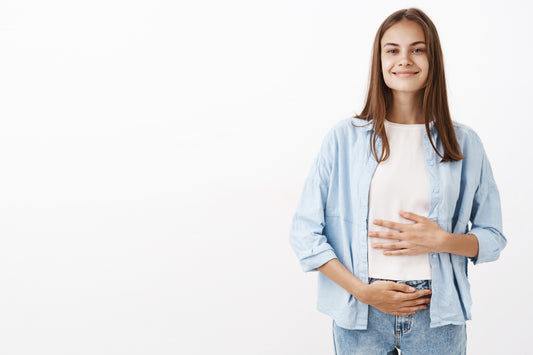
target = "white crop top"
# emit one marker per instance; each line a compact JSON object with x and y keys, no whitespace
{"x":399,"y":183}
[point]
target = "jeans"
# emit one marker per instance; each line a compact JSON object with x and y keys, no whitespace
{"x":411,"y":334}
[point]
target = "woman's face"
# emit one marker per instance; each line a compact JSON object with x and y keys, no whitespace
{"x":404,"y":60}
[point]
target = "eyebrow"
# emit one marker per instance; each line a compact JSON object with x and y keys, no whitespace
{"x":397,"y":45}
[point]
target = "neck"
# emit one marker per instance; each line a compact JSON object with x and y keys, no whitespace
{"x":407,"y":108}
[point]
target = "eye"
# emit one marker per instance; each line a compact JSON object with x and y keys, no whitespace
{"x":392,"y":51}
{"x":418,"y":50}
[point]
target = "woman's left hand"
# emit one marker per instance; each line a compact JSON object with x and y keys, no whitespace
{"x":424,"y":236}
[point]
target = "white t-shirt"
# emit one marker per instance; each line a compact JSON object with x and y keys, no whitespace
{"x":399,"y":183}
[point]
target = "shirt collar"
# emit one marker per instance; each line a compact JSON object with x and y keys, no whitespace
{"x":367,"y":124}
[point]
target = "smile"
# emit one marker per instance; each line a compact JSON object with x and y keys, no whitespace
{"x":405,"y":74}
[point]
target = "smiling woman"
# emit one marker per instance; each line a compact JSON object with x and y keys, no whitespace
{"x":401,"y":281}
{"x":403,"y":56}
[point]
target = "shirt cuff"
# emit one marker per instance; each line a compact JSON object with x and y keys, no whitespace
{"x":311,"y":263}
{"x":488,"y":249}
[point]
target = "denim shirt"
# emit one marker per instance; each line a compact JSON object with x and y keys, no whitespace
{"x":331,"y":218}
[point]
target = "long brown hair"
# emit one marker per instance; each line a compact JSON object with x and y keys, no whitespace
{"x":435,"y":102}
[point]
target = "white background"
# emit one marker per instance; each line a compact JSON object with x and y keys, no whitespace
{"x":152,"y":154}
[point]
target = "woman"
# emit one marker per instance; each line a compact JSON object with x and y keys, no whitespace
{"x":384,"y":211}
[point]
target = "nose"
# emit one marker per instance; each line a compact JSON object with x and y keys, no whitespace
{"x":404,"y":59}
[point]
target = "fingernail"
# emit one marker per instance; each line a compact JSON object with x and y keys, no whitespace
{"x":411,"y":289}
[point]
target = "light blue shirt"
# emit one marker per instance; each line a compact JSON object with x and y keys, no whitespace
{"x":331,"y":218}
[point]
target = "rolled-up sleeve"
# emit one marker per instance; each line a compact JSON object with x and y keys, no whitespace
{"x":486,"y":215}
{"x":306,"y":233}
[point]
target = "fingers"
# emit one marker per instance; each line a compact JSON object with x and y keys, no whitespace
{"x":407,"y":292}
{"x":405,"y":311}
{"x":393,"y":245}
{"x":420,"y":293}
{"x":406,"y":300}
{"x":401,"y":299}
{"x":412,"y":216}
{"x":417,"y":302}
{"x":399,"y":252}
{"x":386,"y":235}
{"x":410,"y":291}
{"x":401,"y":287}
{"x":412,"y":310}
{"x":415,"y":296}
{"x":388,"y":224}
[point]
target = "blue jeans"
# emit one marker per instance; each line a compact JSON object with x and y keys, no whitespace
{"x":411,"y":334}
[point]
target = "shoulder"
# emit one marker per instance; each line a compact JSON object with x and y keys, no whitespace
{"x":471,"y":147}
{"x":343,"y":134}
{"x":466,"y":136}
{"x":348,"y":127}
{"x":464,"y":132}
{"x":347,"y":130}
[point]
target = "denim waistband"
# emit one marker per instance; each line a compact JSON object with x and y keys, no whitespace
{"x":417,"y":284}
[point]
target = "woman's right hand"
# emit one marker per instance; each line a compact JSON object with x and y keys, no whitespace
{"x":395,"y":298}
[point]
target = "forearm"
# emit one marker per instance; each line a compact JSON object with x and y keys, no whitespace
{"x":460,"y":244}
{"x":338,"y":273}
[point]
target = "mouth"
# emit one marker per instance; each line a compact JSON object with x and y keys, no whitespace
{"x":405,"y":74}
